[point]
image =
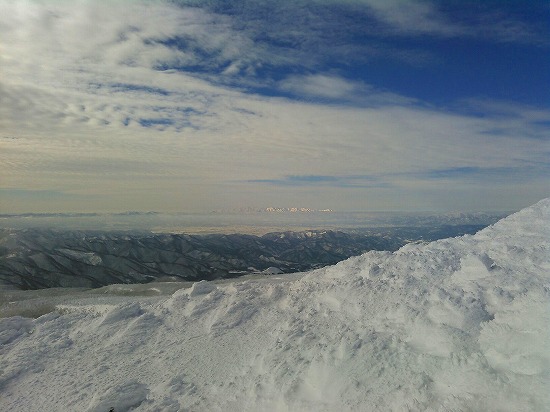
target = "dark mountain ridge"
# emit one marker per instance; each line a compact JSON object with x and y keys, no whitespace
{"x":45,"y":258}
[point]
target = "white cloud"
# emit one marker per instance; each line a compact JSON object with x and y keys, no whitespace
{"x":268,"y":139}
{"x":428,"y":17}
{"x":320,"y":85}
{"x":332,"y":87}
{"x":412,"y":16}
{"x":80,"y":79}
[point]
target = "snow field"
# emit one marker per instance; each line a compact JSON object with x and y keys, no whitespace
{"x":457,"y":324}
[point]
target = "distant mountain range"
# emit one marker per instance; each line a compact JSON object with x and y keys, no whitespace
{"x":45,"y":258}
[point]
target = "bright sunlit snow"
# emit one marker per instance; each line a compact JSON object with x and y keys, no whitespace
{"x":458,"y":324}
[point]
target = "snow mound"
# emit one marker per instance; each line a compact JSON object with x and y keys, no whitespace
{"x":457,"y":324}
{"x":127,"y":396}
{"x":201,"y":288}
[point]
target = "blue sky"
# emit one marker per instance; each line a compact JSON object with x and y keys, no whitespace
{"x":342,"y":104}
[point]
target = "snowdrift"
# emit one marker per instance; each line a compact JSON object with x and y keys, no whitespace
{"x":457,"y":324}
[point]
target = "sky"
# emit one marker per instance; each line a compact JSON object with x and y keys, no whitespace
{"x":192,"y":105}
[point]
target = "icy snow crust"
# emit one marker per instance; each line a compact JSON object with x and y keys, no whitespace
{"x":458,"y":324}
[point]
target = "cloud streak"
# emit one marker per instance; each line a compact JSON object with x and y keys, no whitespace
{"x":360,"y":182}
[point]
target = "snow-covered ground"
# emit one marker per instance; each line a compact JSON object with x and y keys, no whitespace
{"x":455,"y":325}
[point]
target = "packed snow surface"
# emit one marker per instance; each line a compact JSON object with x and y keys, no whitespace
{"x":455,"y":325}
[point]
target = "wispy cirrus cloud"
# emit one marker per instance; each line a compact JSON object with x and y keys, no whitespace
{"x":455,"y":20}
{"x":503,"y":174}
{"x":327,"y":88}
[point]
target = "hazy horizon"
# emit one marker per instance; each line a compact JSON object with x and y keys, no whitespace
{"x":256,"y":223}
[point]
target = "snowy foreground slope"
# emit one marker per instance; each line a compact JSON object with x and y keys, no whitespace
{"x":458,"y":324}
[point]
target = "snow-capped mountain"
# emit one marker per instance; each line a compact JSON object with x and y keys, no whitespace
{"x":45,"y":258}
{"x":458,"y":324}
